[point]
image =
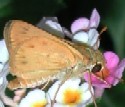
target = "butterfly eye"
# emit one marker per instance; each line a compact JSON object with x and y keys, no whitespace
{"x":96,"y":68}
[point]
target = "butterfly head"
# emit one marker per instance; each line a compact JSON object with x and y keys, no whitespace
{"x":99,"y":68}
{"x":100,"y":71}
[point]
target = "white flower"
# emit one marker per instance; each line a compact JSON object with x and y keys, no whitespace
{"x":71,"y":94}
{"x":1,"y":67}
{"x":1,"y":104}
{"x":1,"y":81}
{"x":4,"y":56}
{"x":35,"y":98}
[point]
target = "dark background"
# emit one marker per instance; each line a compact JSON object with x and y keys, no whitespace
{"x":112,"y":14}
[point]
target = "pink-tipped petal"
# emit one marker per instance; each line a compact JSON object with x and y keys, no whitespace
{"x":119,"y":72}
{"x":110,"y":79}
{"x":96,"y":81}
{"x":80,"y":23}
{"x":94,"y":19}
{"x":112,"y":59}
{"x":98,"y":92}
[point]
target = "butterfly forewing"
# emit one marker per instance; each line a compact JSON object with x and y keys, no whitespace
{"x":15,"y":33}
{"x":34,"y":53}
{"x":40,"y":53}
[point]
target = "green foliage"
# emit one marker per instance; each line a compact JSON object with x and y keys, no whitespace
{"x":115,"y":20}
{"x":28,"y":10}
{"x":5,"y":8}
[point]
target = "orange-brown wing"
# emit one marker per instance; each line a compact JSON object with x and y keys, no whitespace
{"x":36,"y":50}
{"x":15,"y":32}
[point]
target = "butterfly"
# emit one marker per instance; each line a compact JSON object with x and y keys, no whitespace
{"x":36,"y":56}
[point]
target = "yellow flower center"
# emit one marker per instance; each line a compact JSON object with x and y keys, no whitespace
{"x":72,"y":97}
{"x":39,"y":104}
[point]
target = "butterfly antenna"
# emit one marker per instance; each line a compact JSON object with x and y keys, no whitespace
{"x":90,"y":89}
{"x":103,"y":30}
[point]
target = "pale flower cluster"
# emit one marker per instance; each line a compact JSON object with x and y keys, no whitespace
{"x":4,"y":56}
{"x":70,"y":94}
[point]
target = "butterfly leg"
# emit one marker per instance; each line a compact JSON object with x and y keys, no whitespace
{"x":90,"y":85}
{"x":89,"y":81}
{"x":46,"y":84}
{"x":69,"y":72}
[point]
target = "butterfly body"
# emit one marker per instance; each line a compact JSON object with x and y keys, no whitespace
{"x":37,"y":56}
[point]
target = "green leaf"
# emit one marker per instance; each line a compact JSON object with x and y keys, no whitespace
{"x":115,"y":20}
{"x":5,"y":8}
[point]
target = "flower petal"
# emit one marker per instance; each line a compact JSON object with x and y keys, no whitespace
{"x":35,"y":97}
{"x":63,"y":105}
{"x":98,"y":92}
{"x":57,"y":105}
{"x":112,"y":60}
{"x":110,"y":79}
{"x":96,"y":46}
{"x":4,"y":55}
{"x":67,"y":84}
{"x":96,"y":81}
{"x":54,"y":25}
{"x":1,"y":80}
{"x":71,"y":94}
{"x":81,"y":37}
{"x":93,"y":37}
{"x":86,"y":92}
{"x":1,"y":104}
{"x":119,"y":71}
{"x":94,"y":19}
{"x":80,"y":23}
{"x":1,"y":67}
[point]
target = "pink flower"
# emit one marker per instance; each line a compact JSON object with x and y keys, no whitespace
{"x":84,"y":23}
{"x":84,"y":30}
{"x":112,"y":75}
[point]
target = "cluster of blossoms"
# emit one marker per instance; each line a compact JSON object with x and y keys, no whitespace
{"x":3,"y":69}
{"x":72,"y":93}
{"x":69,"y":95}
{"x":84,"y":30}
